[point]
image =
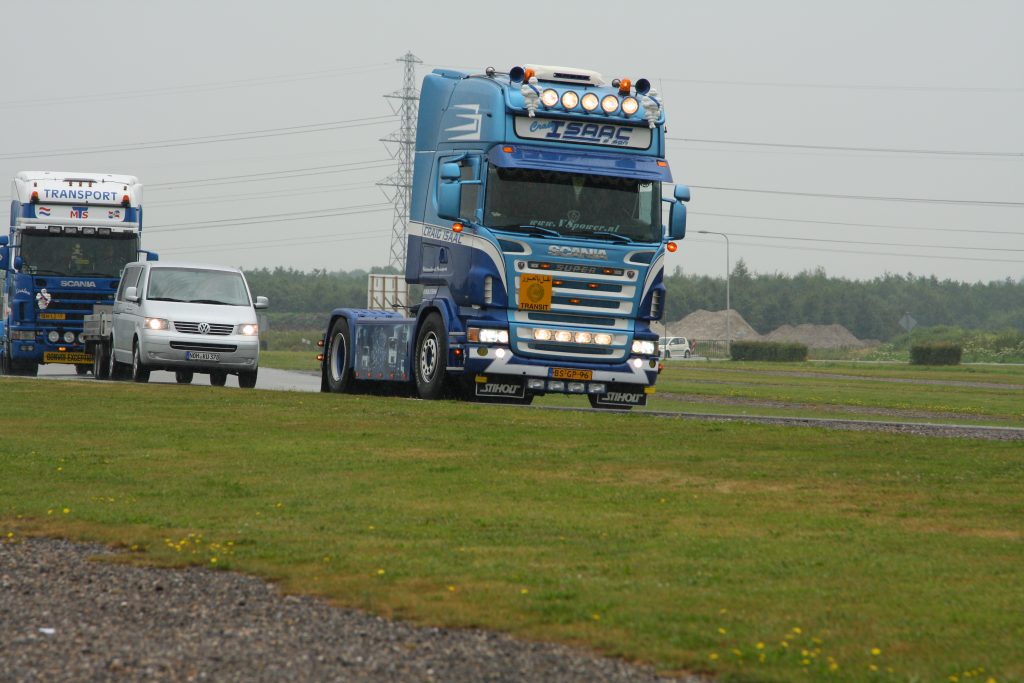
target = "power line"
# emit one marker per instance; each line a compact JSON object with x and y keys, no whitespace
{"x":871,"y":253}
{"x":275,"y":175}
{"x":242,"y":221}
{"x":873,"y":244}
{"x":841,"y":86}
{"x":196,"y":87}
{"x":925,"y":200}
{"x":209,"y":139}
{"x":235,"y":198}
{"x":856,"y":225}
{"x":839,"y":148}
{"x":312,"y":239}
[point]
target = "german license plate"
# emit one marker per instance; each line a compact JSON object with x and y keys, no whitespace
{"x":572,"y":373}
{"x":67,"y":357}
{"x":202,"y":355}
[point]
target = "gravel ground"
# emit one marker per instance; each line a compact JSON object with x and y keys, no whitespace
{"x":66,"y":618}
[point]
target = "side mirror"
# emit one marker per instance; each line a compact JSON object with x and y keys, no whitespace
{"x":5,"y":253}
{"x":131,"y":294}
{"x":261,"y":302}
{"x":449,"y":193}
{"x":677,"y":221}
{"x":4,"y":240}
{"x":682,"y":193}
{"x":150,"y":255}
{"x":18,"y":263}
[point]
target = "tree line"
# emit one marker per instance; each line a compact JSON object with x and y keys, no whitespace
{"x":870,"y":309}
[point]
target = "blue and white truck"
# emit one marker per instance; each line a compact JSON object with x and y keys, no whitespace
{"x":70,"y":236}
{"x":536,"y":232}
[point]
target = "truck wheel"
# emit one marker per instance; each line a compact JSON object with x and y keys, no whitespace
{"x":218,"y":378}
{"x":183,"y":376}
{"x":431,"y":358}
{"x":100,"y":362}
{"x":247,"y":380}
{"x":25,"y":369}
{"x":5,"y":361}
{"x":139,"y":372}
{"x":337,"y":373}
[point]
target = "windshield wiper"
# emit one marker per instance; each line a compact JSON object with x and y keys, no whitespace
{"x":45,"y":271}
{"x":165,"y":298}
{"x":212,"y":301}
{"x":610,"y":236}
{"x":529,"y":229}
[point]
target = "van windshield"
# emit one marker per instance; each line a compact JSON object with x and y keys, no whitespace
{"x":197,"y":286}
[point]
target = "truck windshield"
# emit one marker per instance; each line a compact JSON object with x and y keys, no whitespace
{"x":574,"y":204}
{"x":197,"y":286}
{"x":85,"y":256}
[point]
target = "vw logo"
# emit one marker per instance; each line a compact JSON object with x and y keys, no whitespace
{"x":204,"y":328}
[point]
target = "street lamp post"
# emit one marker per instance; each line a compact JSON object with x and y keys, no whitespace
{"x":728,"y":307}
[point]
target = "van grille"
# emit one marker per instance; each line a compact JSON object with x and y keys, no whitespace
{"x":193,"y":328}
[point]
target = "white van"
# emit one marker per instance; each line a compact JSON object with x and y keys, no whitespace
{"x":186,"y":318}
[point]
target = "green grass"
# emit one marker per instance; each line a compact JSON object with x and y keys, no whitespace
{"x":303,"y":361}
{"x":653,"y":539}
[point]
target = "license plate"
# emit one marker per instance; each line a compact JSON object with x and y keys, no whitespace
{"x":67,"y":357}
{"x":201,"y":355}
{"x":572,"y":373}
{"x":53,"y":316}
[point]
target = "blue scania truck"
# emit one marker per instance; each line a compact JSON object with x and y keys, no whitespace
{"x":70,"y":236}
{"x":537,"y":235}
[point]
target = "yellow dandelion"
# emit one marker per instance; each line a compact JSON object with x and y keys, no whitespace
{"x":66,"y":510}
{"x":722,"y":630}
{"x":595,"y":616}
{"x":60,"y":469}
{"x":833,"y":666}
{"x":722,"y":611}
{"x":451,"y":589}
{"x":805,"y":662}
{"x":713,"y":656}
{"x":524,"y":591}
{"x":875,"y":652}
{"x":380,"y":572}
{"x":784,"y":644}
{"x":872,"y":667}
{"x":50,"y":511}
{"x":990,"y":680}
{"x":213,"y":560}
{"x":738,"y":652}
{"x":10,"y":534}
{"x":761,"y":658}
{"x":760,"y":646}
{"x":953,"y":678}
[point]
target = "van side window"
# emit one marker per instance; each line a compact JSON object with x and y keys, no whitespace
{"x":130,"y":279}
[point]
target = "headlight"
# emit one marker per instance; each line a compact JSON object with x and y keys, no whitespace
{"x":69,"y":337}
{"x":563,"y":336}
{"x":249,"y":330}
{"x":156,"y":324}
{"x":541,"y":334}
{"x":589,"y":101}
{"x":549,"y":97}
{"x":24,"y":335}
{"x":53,"y":336}
{"x":644,"y":348}
{"x":603,"y":339}
{"x":486,"y":335}
{"x":629,"y":106}
{"x":570,"y":99}
{"x":610,"y":104}
{"x":81,"y":337}
{"x":583,"y":337}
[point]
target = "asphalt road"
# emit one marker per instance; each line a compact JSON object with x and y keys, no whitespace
{"x":269,"y":378}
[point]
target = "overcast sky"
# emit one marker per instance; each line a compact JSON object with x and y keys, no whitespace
{"x":864,"y":138}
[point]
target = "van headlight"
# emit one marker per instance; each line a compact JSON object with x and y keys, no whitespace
{"x":644,"y":348}
{"x":249,"y":329}
{"x":156,"y":324}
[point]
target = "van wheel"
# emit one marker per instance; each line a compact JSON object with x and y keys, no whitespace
{"x":115,"y":370}
{"x":431,"y":358}
{"x":247,"y":380}
{"x":686,"y":354}
{"x":183,"y":376}
{"x":100,"y":362}
{"x":337,"y":373}
{"x":218,"y":378}
{"x":139,"y":372}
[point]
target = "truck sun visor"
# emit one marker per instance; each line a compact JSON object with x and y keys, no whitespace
{"x":597,"y":163}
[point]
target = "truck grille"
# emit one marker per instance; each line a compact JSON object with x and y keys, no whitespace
{"x":193,"y":328}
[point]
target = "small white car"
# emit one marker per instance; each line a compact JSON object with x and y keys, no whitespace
{"x":674,"y":347}
{"x":185,"y":318}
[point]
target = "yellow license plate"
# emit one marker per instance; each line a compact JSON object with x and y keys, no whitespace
{"x":534,"y":292}
{"x":67,"y":357}
{"x":571,"y":373}
{"x":53,"y":316}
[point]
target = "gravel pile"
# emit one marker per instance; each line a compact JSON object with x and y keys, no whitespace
{"x":66,"y":618}
{"x":816,"y":336}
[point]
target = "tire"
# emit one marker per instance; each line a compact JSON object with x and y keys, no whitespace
{"x":82,"y":370}
{"x":139,"y":372}
{"x":431,"y":360}
{"x":115,"y":370}
{"x":183,"y":376}
{"x":25,"y":369}
{"x":100,"y":362}
{"x":5,"y":361}
{"x":218,"y":378}
{"x":337,"y":374}
{"x":247,"y":379}
{"x":686,"y":354}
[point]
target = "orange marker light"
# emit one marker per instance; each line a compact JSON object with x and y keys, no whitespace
{"x":456,"y":227}
{"x":662,"y":163}
{"x":528,"y":74}
{"x":624,"y":86}
{"x":508,"y":150}
{"x":320,"y":357}
{"x":672,"y":246}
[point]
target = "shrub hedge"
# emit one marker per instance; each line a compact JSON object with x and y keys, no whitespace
{"x":769,"y":351}
{"x":936,"y":353}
